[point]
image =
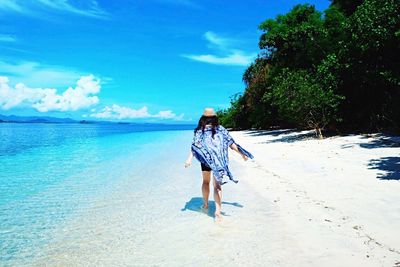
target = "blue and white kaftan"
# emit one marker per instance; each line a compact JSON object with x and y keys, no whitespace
{"x":213,"y":151}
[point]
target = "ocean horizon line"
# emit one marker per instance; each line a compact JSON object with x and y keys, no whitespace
{"x":66,"y":120}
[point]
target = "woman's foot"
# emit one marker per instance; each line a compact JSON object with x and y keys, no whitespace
{"x":218,"y":217}
{"x":204,"y":208}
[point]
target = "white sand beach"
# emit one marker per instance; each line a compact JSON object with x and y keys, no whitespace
{"x":299,"y":203}
{"x":337,"y":199}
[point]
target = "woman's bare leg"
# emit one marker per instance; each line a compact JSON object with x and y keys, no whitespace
{"x":205,"y":188}
{"x":217,"y":198}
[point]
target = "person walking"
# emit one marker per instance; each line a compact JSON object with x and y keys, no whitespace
{"x":210,"y":147}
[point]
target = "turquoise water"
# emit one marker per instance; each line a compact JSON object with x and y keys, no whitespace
{"x":53,"y":173}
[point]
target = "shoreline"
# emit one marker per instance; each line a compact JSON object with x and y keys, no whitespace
{"x":337,"y":196}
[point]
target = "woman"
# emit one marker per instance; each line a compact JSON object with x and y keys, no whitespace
{"x":210,"y":147}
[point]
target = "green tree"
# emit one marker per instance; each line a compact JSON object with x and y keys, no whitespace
{"x":302,"y":99}
{"x":236,"y":116}
{"x":347,"y":6}
{"x":255,"y":78}
{"x":337,"y":68}
{"x":296,"y":39}
{"x":371,"y":73}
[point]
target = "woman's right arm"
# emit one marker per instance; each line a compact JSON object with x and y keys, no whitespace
{"x":189,"y":159}
{"x":188,"y":162}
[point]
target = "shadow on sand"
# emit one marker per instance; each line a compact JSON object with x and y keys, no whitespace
{"x":270,"y":132}
{"x":196,"y":202}
{"x":389,"y":165}
{"x":289,"y":136}
{"x":382,"y":141}
{"x":379,"y":141}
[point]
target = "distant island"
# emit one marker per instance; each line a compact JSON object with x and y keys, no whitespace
{"x":46,"y":119}
{"x":34,"y":119}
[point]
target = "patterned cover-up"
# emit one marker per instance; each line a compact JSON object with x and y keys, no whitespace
{"x":214,"y":151}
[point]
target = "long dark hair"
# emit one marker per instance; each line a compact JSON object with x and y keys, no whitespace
{"x":204,"y":120}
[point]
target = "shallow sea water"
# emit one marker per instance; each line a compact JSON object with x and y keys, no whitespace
{"x":123,"y":200}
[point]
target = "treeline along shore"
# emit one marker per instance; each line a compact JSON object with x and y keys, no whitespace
{"x":336,"y":70}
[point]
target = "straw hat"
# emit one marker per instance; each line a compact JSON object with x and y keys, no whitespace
{"x":209,"y":112}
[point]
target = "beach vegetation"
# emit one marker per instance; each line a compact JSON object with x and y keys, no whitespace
{"x":336,"y":69}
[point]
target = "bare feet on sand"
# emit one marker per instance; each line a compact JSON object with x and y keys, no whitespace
{"x":218,"y":217}
{"x":204,"y":208}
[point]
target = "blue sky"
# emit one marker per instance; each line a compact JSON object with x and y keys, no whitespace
{"x":133,"y":60}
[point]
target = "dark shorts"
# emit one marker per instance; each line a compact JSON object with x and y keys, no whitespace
{"x":205,"y":167}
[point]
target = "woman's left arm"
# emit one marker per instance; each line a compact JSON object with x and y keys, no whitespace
{"x":233,"y":146}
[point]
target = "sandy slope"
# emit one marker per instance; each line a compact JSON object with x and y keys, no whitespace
{"x":338,"y":198}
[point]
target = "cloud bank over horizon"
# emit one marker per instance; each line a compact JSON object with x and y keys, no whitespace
{"x":48,"y":99}
{"x":82,"y":96}
{"x":120,"y":112}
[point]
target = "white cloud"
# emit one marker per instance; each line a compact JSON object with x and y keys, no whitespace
{"x":34,"y":74}
{"x":7,"y":38}
{"x":120,"y":112}
{"x":227,"y":54}
{"x":10,"y":5}
{"x":168,"y":114}
{"x":186,"y":3}
{"x":236,"y":58}
{"x":220,"y":42}
{"x":92,"y":8}
{"x":47,"y":99}
{"x":88,"y":8}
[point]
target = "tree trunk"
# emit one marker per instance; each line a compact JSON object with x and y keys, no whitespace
{"x":318,"y":132}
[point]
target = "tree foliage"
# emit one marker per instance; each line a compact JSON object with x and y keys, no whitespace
{"x":302,"y":100}
{"x":371,"y":73}
{"x":236,"y":115}
{"x":347,"y":6}
{"x":338,"y":69}
{"x":294,"y":39}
